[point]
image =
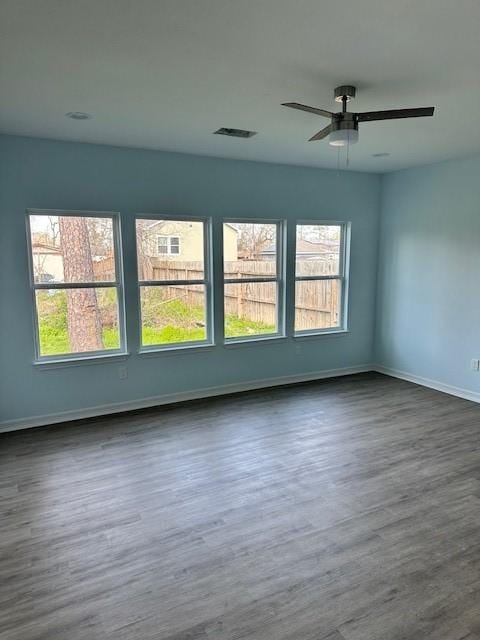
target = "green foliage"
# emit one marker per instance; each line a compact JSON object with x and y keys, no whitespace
{"x":158,"y":310}
{"x":111,"y":338}
{"x":53,"y":341}
{"x":168,"y":321}
{"x":52,"y":321}
{"x":170,"y":335}
{"x":164,"y":321}
{"x":236,"y":327}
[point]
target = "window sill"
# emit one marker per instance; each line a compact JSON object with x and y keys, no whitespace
{"x":59,"y":363}
{"x":333,"y":333}
{"x":254,"y":341}
{"x":176,"y":349}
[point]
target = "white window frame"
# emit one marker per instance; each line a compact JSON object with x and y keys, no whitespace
{"x":279,"y":279}
{"x":117,"y":284}
{"x":169,"y":245}
{"x":206,"y":282}
{"x":343,"y":275}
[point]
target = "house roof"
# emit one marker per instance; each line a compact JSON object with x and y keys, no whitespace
{"x":45,"y":248}
{"x":324,"y":246}
{"x":307,"y":246}
{"x":154,"y":223}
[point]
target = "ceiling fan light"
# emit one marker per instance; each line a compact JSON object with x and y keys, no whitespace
{"x":343,"y":137}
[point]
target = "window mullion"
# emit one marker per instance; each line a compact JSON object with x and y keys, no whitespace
{"x":246,"y":280}
{"x":281,"y":278}
{"x":45,"y":286}
{"x":290,"y":279}
{"x":307,"y":278}
{"x":169,"y":283}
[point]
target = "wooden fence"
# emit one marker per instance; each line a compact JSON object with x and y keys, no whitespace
{"x":104,"y":269}
{"x":317,"y":303}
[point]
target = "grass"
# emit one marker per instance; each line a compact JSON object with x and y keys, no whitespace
{"x":170,"y":321}
{"x":52,"y":322}
{"x":236,"y":327}
{"x":170,"y":335}
{"x":55,"y":341}
{"x":164,"y":322}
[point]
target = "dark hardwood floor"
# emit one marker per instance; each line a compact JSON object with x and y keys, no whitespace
{"x":346,"y":509}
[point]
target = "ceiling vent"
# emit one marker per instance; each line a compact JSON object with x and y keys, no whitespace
{"x":234,"y":133}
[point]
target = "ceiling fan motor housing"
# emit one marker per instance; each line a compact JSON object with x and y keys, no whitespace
{"x":345,"y":91}
{"x":344,"y":121}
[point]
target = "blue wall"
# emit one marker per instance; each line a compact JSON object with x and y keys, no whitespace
{"x":57,"y":175}
{"x":428,"y":311}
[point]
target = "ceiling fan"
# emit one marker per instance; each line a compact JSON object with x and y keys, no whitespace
{"x":343,"y":129}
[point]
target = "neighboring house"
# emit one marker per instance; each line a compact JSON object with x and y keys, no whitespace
{"x":47,"y":262}
{"x":184,"y":242}
{"x":306,"y":250}
{"x":230,"y":243}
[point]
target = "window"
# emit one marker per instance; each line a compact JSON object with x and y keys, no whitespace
{"x":76,"y":284}
{"x":320,"y":277}
{"x":174,"y":245}
{"x":253,"y":279}
{"x":168,"y":245}
{"x":175,"y":291}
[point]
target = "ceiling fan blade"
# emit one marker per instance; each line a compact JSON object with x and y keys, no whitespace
{"x":304,"y":107}
{"x":321,"y":134}
{"x":392,"y":114}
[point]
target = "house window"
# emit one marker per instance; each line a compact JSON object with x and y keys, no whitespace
{"x":175,"y":294}
{"x":253,"y":279}
{"x":320,"y":277}
{"x":76,"y":284}
{"x":168,"y":245}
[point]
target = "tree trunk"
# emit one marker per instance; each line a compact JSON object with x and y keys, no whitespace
{"x":83,"y":316}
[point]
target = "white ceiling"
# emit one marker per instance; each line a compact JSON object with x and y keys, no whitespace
{"x":164,"y":74}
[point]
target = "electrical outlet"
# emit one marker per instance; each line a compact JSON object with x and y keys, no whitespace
{"x":475,"y":364}
{"x":123,"y":372}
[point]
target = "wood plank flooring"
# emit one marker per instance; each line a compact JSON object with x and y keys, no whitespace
{"x":346,"y":509}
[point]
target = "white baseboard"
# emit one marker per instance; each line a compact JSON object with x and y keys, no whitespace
{"x":143,"y":403}
{"x":460,"y":392}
